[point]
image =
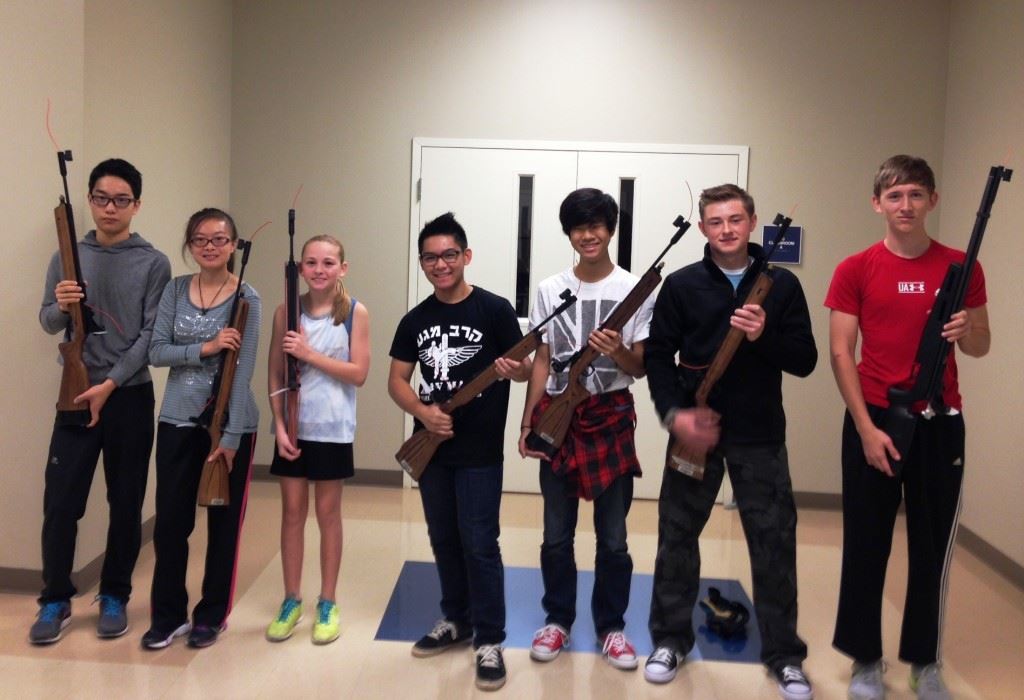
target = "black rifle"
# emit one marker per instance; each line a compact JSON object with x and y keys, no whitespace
{"x":925,"y":382}
{"x":291,"y":277}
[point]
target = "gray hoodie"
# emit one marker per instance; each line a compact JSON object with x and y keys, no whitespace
{"x":123,"y":286}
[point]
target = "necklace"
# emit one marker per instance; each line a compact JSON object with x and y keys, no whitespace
{"x":203,"y":308}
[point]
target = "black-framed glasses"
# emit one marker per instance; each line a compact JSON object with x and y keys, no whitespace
{"x":449,"y":256}
{"x":120,"y":201}
{"x":203,"y":241}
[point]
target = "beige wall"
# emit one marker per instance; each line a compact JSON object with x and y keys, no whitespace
{"x":329,"y":96}
{"x":149,"y":82}
{"x":983,"y":127}
{"x":821,"y":92}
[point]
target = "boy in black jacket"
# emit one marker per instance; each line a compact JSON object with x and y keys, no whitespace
{"x":695,"y":309}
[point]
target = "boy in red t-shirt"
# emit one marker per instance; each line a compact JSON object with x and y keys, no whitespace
{"x":883,"y":295}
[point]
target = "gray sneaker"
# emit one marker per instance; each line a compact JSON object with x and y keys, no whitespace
{"x":50,"y":623}
{"x":866,"y":681}
{"x":113,"y":620}
{"x":926,"y":681}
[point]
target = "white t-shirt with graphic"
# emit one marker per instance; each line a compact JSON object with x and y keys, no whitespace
{"x":568,"y":332}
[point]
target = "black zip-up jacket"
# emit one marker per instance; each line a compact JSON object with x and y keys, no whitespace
{"x":691,"y":318}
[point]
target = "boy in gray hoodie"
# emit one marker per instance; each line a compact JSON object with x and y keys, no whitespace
{"x":125,"y":276}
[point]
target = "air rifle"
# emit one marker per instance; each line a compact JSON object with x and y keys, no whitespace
{"x":682,"y":457}
{"x":415,"y":453}
{"x":553,"y":424}
{"x":213,"y":482}
{"x":929,"y":366}
{"x":291,"y":278}
{"x":74,"y":378}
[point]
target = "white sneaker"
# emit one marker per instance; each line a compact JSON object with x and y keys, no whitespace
{"x":866,"y":681}
{"x":926,"y":681}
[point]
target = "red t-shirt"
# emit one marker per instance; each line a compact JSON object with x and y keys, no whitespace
{"x":891,"y":298}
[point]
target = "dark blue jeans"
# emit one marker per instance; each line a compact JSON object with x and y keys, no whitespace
{"x":613,"y":566}
{"x":461,"y":505}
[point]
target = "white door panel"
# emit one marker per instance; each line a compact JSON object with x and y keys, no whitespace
{"x":479,"y":182}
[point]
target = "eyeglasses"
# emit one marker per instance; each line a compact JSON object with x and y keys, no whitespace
{"x":120,"y":201}
{"x":203,"y":241}
{"x":449,"y":256}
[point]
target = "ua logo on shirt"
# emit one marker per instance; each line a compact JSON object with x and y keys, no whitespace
{"x":910,"y":287}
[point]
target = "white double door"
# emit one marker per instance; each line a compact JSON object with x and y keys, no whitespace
{"x":481,"y":182}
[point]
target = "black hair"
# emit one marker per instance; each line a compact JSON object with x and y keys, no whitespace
{"x":444,"y":225}
{"x":116,"y":167}
{"x":588,"y":206}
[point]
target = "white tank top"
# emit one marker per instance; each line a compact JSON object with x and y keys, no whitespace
{"x":327,"y":406}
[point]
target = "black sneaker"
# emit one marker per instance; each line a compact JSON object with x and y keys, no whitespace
{"x":490,"y":667}
{"x":113,"y":621}
{"x":158,"y":639}
{"x":793,"y":684}
{"x":50,"y":623}
{"x":444,"y":635}
{"x":204,"y":635}
{"x":661,"y":665}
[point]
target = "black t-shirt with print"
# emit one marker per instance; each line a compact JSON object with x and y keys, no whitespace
{"x":452,"y":343}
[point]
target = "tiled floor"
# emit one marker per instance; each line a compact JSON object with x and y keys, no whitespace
{"x":984,"y":642}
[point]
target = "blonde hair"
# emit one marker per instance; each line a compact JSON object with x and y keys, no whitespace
{"x":342,"y":300}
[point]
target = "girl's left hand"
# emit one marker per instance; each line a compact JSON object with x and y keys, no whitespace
{"x":295,"y":344}
{"x":227,"y":453}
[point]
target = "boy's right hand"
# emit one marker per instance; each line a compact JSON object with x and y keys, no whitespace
{"x":67,"y":292}
{"x":697,"y":428}
{"x":435,"y":420}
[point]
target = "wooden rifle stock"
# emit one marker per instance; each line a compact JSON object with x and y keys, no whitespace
{"x":682,"y":457}
{"x":925,"y":382}
{"x":74,"y":378}
{"x":415,"y":453}
{"x":291,"y":275}
{"x":213,"y":483}
{"x":553,"y":424}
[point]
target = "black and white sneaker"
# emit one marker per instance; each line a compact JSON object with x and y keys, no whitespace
{"x":793,"y":684}
{"x":158,"y":639}
{"x":661,"y":665}
{"x":490,"y":667}
{"x":444,"y":635}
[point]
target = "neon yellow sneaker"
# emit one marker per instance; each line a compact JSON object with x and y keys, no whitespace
{"x":284,"y":624}
{"x":328,"y":623}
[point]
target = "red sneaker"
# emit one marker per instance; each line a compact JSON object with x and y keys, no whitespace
{"x":548,"y":642}
{"x":619,"y":652}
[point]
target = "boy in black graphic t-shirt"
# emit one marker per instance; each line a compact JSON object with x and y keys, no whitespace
{"x":453,"y":335}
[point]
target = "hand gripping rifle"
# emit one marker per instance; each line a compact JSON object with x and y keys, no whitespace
{"x":929,"y":366}
{"x":553,"y":424}
{"x":415,"y":453}
{"x":213,"y":483}
{"x":291,"y":278}
{"x":681,"y":456}
{"x":74,"y":378}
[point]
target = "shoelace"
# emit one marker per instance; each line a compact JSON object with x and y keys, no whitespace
{"x":792,"y":674}
{"x":489,"y":655}
{"x":549,"y":636}
{"x":109,"y":605}
{"x":287,"y":607}
{"x":50,"y":612}
{"x":323,"y":611}
{"x":441,"y":627}
{"x":616,"y":643}
{"x":662,"y":655}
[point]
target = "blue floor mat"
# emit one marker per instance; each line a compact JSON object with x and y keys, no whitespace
{"x":413,"y":610}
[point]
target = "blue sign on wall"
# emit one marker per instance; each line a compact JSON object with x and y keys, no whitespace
{"x":789,"y":249}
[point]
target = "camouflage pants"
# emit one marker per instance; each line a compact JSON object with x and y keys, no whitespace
{"x":764,"y":495}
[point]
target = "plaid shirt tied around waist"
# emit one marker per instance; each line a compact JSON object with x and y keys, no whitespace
{"x":599,"y":447}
